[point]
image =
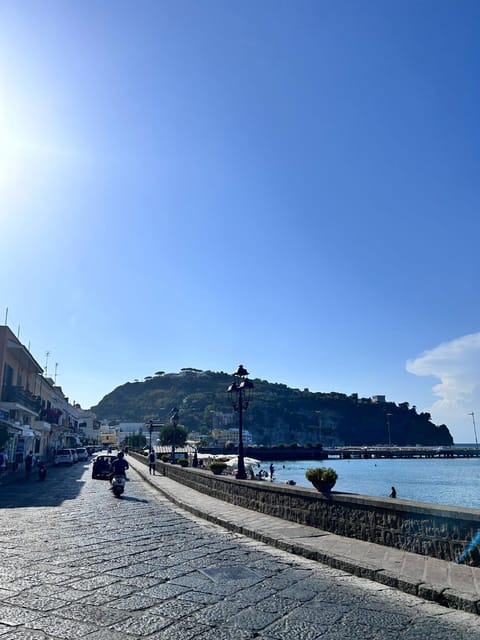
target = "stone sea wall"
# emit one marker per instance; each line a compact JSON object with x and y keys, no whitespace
{"x":439,"y":531}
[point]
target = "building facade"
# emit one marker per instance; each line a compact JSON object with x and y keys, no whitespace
{"x":35,"y":414}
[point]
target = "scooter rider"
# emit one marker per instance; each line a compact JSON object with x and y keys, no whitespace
{"x":119,"y":466}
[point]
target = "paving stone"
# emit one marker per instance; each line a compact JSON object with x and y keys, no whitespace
{"x":24,"y":634}
{"x":14,"y":616}
{"x":134,"y":603}
{"x":143,"y":625}
{"x":171,"y":575}
{"x":55,"y":626}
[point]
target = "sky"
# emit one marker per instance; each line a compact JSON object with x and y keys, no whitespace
{"x":287,"y":184}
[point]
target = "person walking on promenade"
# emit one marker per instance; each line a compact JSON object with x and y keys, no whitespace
{"x":272,"y":471}
{"x":152,"y":460}
{"x":29,"y":463}
{"x":393,"y":493}
{"x":3,"y":461}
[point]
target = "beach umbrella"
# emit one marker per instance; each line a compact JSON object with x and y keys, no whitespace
{"x":249,"y":462}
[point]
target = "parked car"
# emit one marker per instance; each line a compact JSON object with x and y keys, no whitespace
{"x":102,"y":466}
{"x":82,"y":454}
{"x":63,"y":456}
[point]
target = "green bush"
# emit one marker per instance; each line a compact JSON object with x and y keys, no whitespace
{"x":321,"y":474}
{"x":183,"y":462}
{"x":217,"y":466}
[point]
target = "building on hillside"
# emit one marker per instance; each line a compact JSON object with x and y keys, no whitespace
{"x":221,"y":420}
{"x":222,"y":437}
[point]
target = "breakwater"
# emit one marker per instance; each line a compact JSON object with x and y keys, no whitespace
{"x":438,"y":531}
{"x":265,"y":454}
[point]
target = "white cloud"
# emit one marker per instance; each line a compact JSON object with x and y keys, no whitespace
{"x":457,"y":365}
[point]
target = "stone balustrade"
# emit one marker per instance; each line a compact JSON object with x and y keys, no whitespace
{"x":439,"y":531}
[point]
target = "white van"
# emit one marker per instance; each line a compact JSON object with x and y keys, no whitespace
{"x":63,"y":456}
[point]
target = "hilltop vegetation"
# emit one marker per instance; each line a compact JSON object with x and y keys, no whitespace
{"x":277,"y":415}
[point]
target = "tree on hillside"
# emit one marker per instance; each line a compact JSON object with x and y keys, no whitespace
{"x":135,"y":441}
{"x":168,"y":432}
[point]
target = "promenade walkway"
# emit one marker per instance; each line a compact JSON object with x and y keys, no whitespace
{"x":447,"y":583}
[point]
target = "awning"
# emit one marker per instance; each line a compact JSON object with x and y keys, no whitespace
{"x":40,"y":426}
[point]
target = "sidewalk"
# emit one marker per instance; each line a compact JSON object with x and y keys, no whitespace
{"x":447,"y":583}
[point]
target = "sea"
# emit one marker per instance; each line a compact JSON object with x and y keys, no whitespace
{"x":450,"y":481}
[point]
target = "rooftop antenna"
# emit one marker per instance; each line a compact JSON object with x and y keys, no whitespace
{"x":47,"y":353}
{"x":6,"y":316}
{"x":55,"y":376}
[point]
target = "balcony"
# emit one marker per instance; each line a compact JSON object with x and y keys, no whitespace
{"x":52,"y":416}
{"x":21,"y":396}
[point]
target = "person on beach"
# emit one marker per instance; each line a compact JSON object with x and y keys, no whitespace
{"x":393,"y":493}
{"x":272,"y":471}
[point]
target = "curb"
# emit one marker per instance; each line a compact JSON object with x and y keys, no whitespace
{"x":445,"y":596}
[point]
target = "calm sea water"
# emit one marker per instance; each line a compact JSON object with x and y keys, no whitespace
{"x":440,"y":480}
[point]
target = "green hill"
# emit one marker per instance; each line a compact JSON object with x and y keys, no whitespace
{"x":277,"y":414}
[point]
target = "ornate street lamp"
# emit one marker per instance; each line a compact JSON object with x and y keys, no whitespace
{"x":174,"y":421}
{"x":241,"y":393}
{"x":150,"y":427}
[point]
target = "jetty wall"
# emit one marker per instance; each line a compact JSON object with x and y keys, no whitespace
{"x":439,"y":531}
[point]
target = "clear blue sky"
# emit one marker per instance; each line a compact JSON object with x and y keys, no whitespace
{"x":291,"y":185}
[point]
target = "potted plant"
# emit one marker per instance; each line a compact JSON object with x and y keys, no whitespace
{"x":322,"y":478}
{"x":217,"y":467}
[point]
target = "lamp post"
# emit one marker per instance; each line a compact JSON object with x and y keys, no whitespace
{"x":174,"y":421}
{"x":241,"y":390}
{"x":150,"y":427}
{"x":474,"y":428}
{"x":388,"y":416}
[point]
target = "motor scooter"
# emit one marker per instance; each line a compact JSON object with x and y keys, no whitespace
{"x":42,"y":471}
{"x":118,"y":485}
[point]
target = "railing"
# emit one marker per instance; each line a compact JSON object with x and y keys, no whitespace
{"x":21,"y":396}
{"x":51,"y":416}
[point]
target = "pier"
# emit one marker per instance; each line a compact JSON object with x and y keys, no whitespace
{"x":386,"y":451}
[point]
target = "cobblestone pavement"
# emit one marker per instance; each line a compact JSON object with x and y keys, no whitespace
{"x":78,"y":563}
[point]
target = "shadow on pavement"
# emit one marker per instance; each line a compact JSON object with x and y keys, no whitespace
{"x":131,"y":499}
{"x":61,"y":483}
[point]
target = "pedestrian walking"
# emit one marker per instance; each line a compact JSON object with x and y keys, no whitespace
{"x":152,"y":460}
{"x":3,"y":461}
{"x":29,"y":463}
{"x":272,"y":471}
{"x":393,"y":493}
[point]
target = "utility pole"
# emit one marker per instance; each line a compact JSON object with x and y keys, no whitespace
{"x":388,"y":416}
{"x":474,"y":428}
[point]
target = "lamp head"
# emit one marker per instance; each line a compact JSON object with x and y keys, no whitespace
{"x":241,"y":371}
